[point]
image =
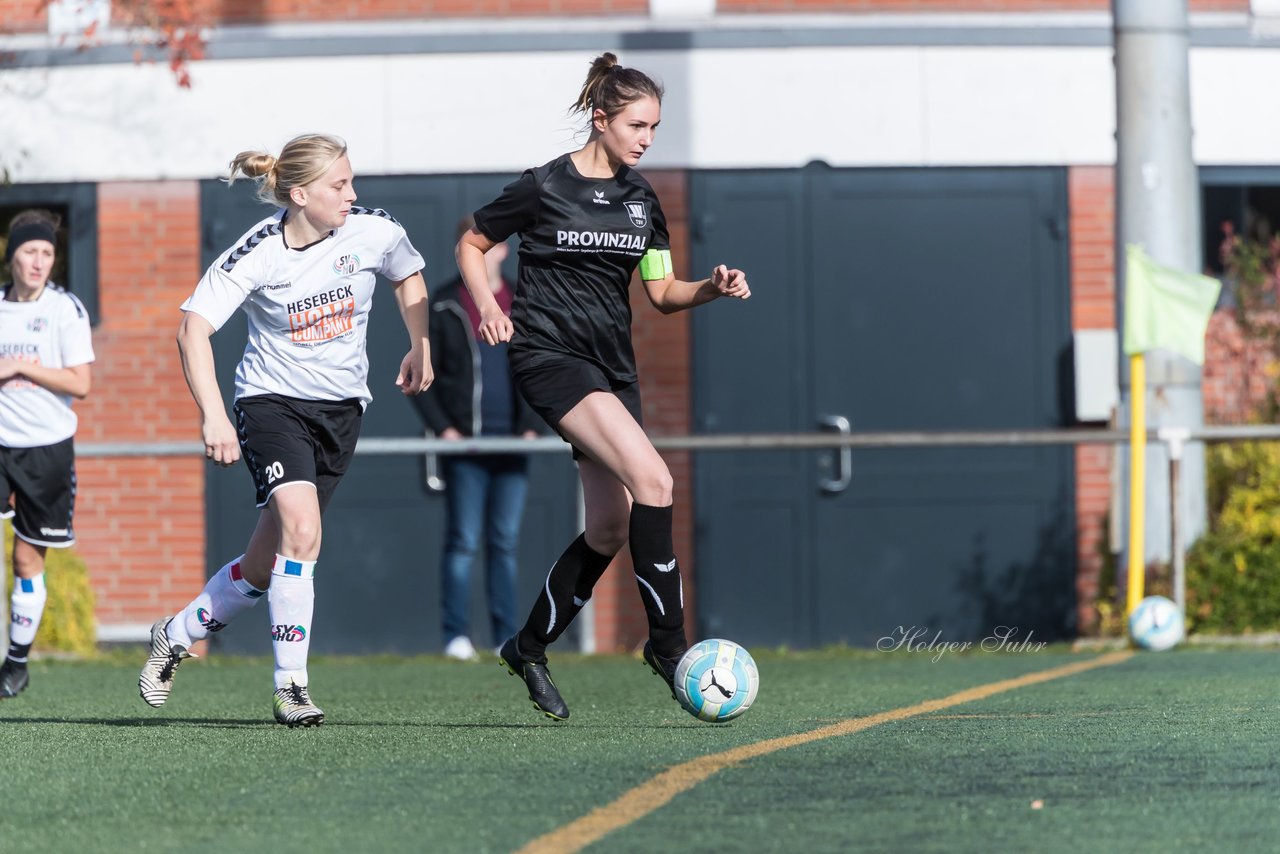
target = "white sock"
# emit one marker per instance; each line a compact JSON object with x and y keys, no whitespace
{"x":225,"y":596}
{"x":291,"y":601}
{"x":26,"y":608}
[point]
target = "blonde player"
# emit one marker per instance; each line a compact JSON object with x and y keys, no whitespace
{"x":305,"y":278}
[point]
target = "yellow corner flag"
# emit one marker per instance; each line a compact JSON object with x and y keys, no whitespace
{"x":1165,"y":308}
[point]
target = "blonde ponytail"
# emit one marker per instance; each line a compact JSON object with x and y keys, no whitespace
{"x":303,"y":159}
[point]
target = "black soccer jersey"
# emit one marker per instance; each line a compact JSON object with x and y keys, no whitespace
{"x":580,"y":240}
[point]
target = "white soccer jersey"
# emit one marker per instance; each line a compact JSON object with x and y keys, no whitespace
{"x":308,"y":308}
{"x":51,"y":330}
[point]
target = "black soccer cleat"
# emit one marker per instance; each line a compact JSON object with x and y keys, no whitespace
{"x":542,"y":691}
{"x":13,"y":679}
{"x":663,"y":666}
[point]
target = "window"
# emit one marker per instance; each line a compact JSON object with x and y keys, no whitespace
{"x":1247,"y":198}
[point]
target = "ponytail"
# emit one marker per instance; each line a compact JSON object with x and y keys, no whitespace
{"x":609,"y":87}
{"x":303,"y":159}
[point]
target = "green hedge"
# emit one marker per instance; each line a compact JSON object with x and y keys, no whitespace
{"x":1233,"y":571}
{"x":68,"y":624}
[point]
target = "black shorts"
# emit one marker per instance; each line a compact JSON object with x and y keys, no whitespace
{"x":42,"y":481}
{"x":552,"y":384}
{"x":286,"y":440}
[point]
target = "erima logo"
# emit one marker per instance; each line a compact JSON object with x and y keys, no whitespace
{"x":639,"y":213}
{"x":288,"y":633}
{"x":666,"y":567}
{"x":599,"y":199}
{"x":206,"y":619}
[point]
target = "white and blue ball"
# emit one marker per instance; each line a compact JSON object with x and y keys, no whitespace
{"x":1156,"y":624}
{"x":716,"y":680}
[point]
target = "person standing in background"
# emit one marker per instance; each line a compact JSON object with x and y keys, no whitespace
{"x":46,"y":348}
{"x":473,"y":395}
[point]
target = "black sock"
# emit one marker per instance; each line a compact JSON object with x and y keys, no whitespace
{"x":18,"y":653}
{"x":654,"y":560}
{"x":566,"y":590}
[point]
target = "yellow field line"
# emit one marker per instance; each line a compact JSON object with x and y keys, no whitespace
{"x":649,"y":796}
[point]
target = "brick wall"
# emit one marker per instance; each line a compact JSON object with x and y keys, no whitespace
{"x":140,"y":521}
{"x":30,"y":15}
{"x":886,"y":6}
{"x":1237,"y":373}
{"x":1091,"y":198}
{"x":22,"y":16}
{"x":250,"y":11}
{"x":663,"y":361}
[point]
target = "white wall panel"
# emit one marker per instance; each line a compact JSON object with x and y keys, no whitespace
{"x":1016,"y":106}
{"x":731,"y":108}
{"x":756,"y":108}
{"x":1235,"y":114}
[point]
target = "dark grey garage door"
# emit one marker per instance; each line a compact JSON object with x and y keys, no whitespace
{"x":377,"y":582}
{"x":898,"y":300}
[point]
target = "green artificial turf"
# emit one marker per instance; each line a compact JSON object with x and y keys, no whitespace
{"x":1169,"y":751}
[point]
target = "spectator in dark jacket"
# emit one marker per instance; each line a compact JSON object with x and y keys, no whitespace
{"x":484,"y":493}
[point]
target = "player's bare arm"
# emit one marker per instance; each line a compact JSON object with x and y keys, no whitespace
{"x":220,"y":441}
{"x":495,"y":326}
{"x":415,"y":369}
{"x":74,"y":380}
{"x":670,"y":294}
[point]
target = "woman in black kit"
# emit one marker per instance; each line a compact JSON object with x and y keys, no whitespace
{"x":586,"y":221}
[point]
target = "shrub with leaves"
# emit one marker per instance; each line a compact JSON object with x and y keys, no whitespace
{"x":1233,"y":571}
{"x":68,"y":624}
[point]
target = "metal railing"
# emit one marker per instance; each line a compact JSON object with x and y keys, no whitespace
{"x":1172,"y":439}
{"x":734,"y":441}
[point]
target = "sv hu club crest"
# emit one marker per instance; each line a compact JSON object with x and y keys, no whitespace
{"x":639,"y":213}
{"x":346,"y":265}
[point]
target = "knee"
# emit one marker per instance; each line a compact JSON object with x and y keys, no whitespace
{"x":461,"y":541}
{"x":300,"y":537}
{"x":27,"y":563}
{"x":654,"y":487}
{"x":502,"y":540}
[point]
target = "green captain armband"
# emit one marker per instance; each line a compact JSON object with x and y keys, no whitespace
{"x":656,"y":265}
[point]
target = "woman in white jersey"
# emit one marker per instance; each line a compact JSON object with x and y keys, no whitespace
{"x":586,"y":222}
{"x":305,"y":278}
{"x":45,"y":350}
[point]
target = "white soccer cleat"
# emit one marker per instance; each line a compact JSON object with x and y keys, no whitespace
{"x":156,"y":680}
{"x":293,"y":707}
{"x":461,"y":649}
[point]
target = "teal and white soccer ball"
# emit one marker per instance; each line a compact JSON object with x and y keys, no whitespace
{"x":1156,"y":624}
{"x":716,"y":680}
